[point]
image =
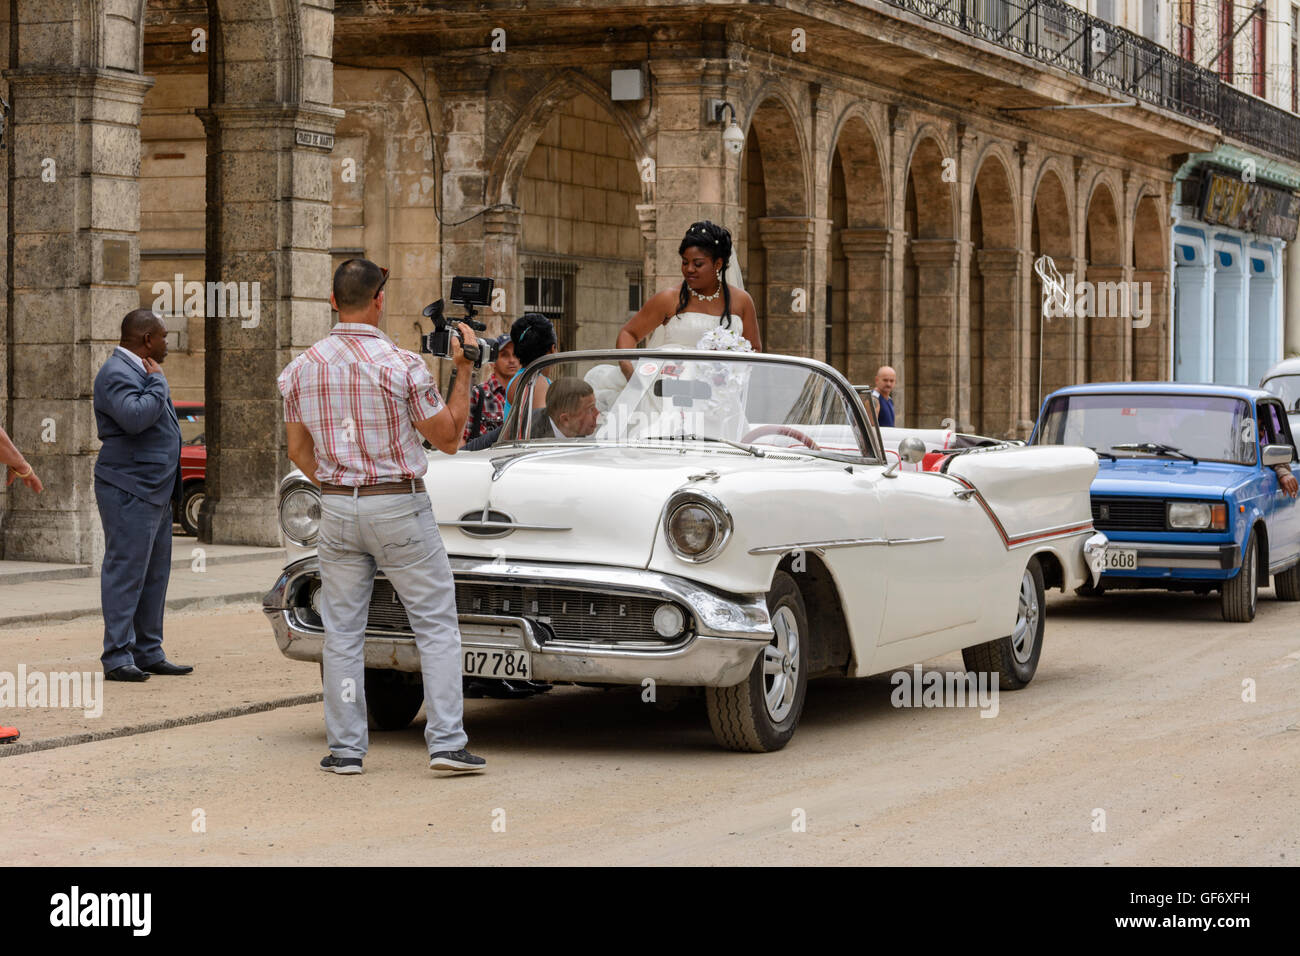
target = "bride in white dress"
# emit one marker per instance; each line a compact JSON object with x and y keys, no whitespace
{"x":679,"y":317}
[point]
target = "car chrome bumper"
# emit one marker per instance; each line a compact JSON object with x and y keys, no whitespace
{"x":1161,"y":560}
{"x":729,"y":631}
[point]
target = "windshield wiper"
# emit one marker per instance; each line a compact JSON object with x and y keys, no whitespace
{"x":756,"y":452}
{"x":1103,"y":453}
{"x":1154,"y":448}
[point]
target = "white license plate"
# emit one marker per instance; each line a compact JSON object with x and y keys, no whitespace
{"x":495,"y":662}
{"x":1121,"y":559}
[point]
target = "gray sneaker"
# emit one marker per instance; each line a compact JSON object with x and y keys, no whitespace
{"x":333,"y":764}
{"x":459,"y":760}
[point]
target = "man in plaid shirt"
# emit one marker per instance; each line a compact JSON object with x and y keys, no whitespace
{"x":355,"y":408}
{"x":487,"y":401}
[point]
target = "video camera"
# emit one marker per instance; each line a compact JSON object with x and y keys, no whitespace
{"x":467,"y":291}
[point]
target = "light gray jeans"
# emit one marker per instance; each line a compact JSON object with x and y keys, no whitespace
{"x":395,"y":534}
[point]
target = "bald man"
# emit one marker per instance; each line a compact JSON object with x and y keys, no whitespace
{"x":137,"y":477}
{"x":882,"y":389}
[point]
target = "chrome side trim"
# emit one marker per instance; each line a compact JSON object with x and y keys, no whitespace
{"x":841,"y":543}
{"x":503,"y":526}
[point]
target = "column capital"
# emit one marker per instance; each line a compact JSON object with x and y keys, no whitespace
{"x":936,"y":252}
{"x":503,"y":223}
{"x":40,"y":81}
{"x":790,"y":232}
{"x":866,"y":243}
{"x":227,"y":116}
{"x":998,"y":260}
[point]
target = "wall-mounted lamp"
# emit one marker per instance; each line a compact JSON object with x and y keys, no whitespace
{"x":733,"y":137}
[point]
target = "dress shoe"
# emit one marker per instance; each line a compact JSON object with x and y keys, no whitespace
{"x":127,"y":672}
{"x":166,"y":668}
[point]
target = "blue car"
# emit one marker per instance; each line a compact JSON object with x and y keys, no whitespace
{"x":1188,"y":490}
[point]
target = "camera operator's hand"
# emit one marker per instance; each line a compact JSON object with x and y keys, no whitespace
{"x":458,"y":356}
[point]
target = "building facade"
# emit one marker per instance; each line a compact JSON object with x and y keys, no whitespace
{"x":905,"y":163}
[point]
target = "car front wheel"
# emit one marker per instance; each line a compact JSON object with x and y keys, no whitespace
{"x":1014,"y":658}
{"x":1238,"y":598}
{"x":761,"y":713}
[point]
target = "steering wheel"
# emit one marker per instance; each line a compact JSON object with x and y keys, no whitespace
{"x":785,"y":430}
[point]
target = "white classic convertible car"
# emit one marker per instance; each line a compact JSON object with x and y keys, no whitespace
{"x":732,"y":523}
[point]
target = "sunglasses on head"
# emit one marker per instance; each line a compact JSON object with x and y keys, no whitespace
{"x":380,"y":288}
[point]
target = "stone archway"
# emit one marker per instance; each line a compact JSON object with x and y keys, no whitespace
{"x":1051,"y":353}
{"x":774,"y":190}
{"x":860,"y":252}
{"x":993,"y":293}
{"x":1150,"y":342}
{"x":929,"y":377}
{"x":1103,"y":306}
{"x":580,"y":255}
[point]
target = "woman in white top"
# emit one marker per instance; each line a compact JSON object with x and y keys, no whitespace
{"x":679,"y":317}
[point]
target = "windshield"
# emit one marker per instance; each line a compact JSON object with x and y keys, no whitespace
{"x":1287,"y":388}
{"x":651,"y":397}
{"x":1205,"y":427}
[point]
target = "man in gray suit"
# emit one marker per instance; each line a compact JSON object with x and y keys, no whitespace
{"x":137,"y":477}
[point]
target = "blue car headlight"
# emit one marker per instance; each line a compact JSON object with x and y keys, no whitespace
{"x":1196,"y":515}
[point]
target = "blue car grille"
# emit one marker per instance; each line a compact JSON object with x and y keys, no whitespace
{"x":1128,"y":514}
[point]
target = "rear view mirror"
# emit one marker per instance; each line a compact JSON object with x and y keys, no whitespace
{"x":683,"y":394}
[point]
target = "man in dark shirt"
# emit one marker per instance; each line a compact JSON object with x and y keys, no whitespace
{"x":882,"y":390}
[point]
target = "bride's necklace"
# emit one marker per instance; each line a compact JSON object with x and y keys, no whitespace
{"x":709,"y":298}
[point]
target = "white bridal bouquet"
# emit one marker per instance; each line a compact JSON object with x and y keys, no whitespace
{"x":722,"y":339}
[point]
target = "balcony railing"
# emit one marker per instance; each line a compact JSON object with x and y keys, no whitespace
{"x":1055,"y":33}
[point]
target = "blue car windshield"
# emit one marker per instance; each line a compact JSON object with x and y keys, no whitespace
{"x":1205,"y":427}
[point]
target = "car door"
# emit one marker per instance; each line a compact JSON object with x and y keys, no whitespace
{"x":1283,"y":512}
{"x":935,"y":562}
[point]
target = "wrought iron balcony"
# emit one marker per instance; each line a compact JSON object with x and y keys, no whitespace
{"x":1057,"y":34}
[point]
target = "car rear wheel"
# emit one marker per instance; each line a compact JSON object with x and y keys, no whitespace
{"x":1014,"y":658}
{"x":1287,"y":584}
{"x":1238,"y":598}
{"x":393,"y":698}
{"x":191,"y":502}
{"x":760,"y":713}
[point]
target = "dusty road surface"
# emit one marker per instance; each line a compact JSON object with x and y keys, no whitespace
{"x":1137,"y":713}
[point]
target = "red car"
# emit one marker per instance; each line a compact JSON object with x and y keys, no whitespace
{"x":194,"y":463}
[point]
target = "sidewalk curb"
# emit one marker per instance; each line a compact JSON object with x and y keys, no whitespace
{"x":72,"y":740}
{"x":199,"y":602}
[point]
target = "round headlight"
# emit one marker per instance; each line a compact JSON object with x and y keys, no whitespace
{"x":693,"y":529}
{"x":697,"y":525}
{"x":300,"y":515}
{"x":314,"y":599}
{"x":668,"y":620}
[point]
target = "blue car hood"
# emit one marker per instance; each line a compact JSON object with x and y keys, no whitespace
{"x":1167,"y":478}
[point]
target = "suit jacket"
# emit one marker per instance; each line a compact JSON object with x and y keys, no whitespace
{"x":541,"y":429}
{"x":137,"y":423}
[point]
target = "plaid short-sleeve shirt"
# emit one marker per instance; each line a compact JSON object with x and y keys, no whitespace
{"x":359,"y":395}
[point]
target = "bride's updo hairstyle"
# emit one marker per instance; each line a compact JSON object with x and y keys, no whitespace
{"x":715,"y":242}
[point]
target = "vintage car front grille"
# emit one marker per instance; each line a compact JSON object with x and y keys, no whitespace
{"x":1128,"y":514}
{"x":572,"y":615}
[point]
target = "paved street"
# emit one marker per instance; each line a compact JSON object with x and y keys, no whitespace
{"x":1136,"y":710}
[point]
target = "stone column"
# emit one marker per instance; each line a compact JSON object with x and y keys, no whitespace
{"x":787,"y":245}
{"x":502,"y":228}
{"x":1194,"y":348}
{"x":1107,"y":323}
{"x":1151,"y":330}
{"x":694,"y":175}
{"x":268,"y":229}
{"x":1000,"y":269}
{"x":74,"y":268}
{"x":933,"y":394}
{"x":868,"y":253}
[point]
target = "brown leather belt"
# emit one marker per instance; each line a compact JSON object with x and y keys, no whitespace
{"x":381,"y":488}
